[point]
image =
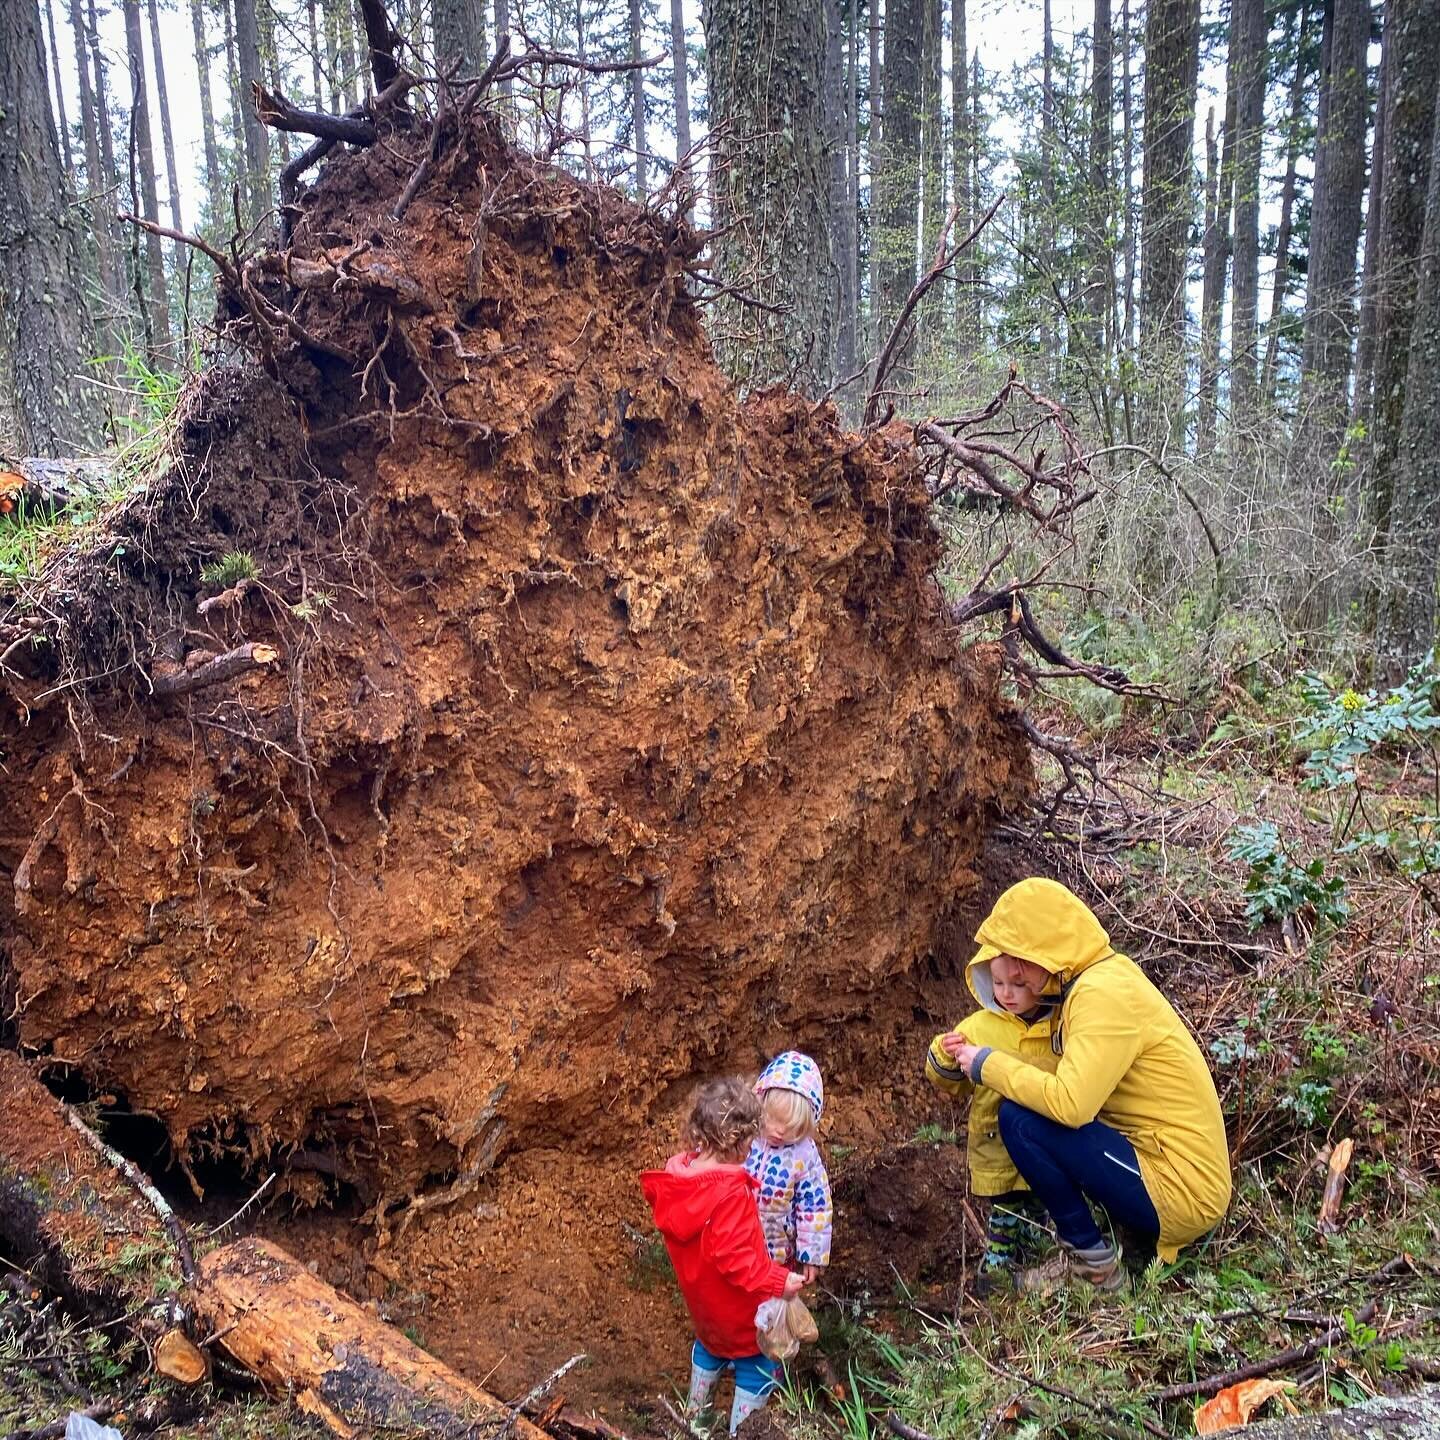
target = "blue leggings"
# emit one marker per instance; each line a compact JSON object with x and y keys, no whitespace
{"x":1066,"y":1168}
{"x":756,"y":1374}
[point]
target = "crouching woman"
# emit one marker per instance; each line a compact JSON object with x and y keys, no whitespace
{"x":1129,"y":1119}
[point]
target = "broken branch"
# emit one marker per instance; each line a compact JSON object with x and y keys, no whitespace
{"x":1296,"y":1355}
{"x":213,"y":672}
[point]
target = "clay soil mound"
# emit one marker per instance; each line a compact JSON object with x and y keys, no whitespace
{"x":615,"y":736}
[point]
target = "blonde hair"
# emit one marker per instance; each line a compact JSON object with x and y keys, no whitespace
{"x":791,"y":1112}
{"x":724,"y":1116}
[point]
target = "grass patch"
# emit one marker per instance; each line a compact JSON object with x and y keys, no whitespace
{"x":1266,"y":1283}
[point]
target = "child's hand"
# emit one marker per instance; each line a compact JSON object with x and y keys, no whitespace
{"x":959,"y":1049}
{"x":812,"y":1273}
{"x":794,"y":1284}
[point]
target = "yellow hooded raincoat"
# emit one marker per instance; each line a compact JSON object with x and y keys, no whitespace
{"x":1125,"y":1056}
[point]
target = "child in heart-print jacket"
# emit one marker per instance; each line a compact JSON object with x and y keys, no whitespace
{"x":794,"y":1199}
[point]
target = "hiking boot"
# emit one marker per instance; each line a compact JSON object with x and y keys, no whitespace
{"x":1099,"y":1266}
{"x":994,"y":1280}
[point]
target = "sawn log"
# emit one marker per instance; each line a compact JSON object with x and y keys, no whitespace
{"x":89,"y":1232}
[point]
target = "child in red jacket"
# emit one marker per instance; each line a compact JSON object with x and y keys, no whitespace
{"x":704,"y":1204}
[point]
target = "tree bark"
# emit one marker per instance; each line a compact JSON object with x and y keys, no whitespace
{"x":773,"y":187}
{"x":64,"y":123}
{"x":167,"y":137}
{"x":274,"y":77}
{"x":932,"y":167}
{"x":1412,"y":43}
{"x":142,"y":154}
{"x":338,"y":101}
{"x":1219,"y":199}
{"x":1362,"y":403}
{"x":960,"y":162}
{"x":1406,"y":630}
{"x":317,"y":78}
{"x":257,"y":143}
{"x":102,"y":100}
{"x":836,"y":130}
{"x":875,"y":160}
{"x":1251,"y":49}
{"x":1280,"y":283}
{"x":1127,"y":223}
{"x":502,"y":28}
{"x":900,"y":172}
{"x":1050,"y":220}
{"x":1335,"y":235}
{"x":97,"y":182}
{"x":456,"y":38}
{"x":680,"y":79}
{"x":1100,"y":279}
{"x":45,"y":338}
{"x":637,"y":99}
{"x":1172,"y":56}
{"x":207,"y":115}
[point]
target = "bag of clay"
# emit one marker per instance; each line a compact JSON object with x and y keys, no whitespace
{"x":783,"y":1326}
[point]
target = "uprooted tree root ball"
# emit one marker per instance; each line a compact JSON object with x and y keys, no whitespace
{"x":487,"y":724}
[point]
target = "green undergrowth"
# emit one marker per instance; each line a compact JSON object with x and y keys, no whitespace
{"x":145,"y":421}
{"x":1265,"y":1283}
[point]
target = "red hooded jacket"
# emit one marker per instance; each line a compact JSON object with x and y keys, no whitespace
{"x":712,"y":1230}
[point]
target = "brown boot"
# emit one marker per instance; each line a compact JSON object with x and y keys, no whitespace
{"x":1099,"y":1266}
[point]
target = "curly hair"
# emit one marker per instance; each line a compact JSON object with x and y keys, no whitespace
{"x":724,"y":1116}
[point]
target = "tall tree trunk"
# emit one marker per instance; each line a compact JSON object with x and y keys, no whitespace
{"x":960,"y":162}
{"x":98,"y":180}
{"x":1217,"y":251}
{"x":850,"y":342}
{"x":44,"y":322}
{"x":1213,"y":265}
{"x":1335,"y":234}
{"x":932,"y":167}
{"x":142,"y":153}
{"x":875,"y":161}
{"x":900,"y":174}
{"x":274,"y":74}
{"x":1127,"y":222}
{"x":836,"y":128}
{"x":1371,"y":297}
{"x":257,"y":143}
{"x":773,"y":187}
{"x":1251,"y":52}
{"x":502,"y":28}
{"x":167,"y":137}
{"x":317,"y":77}
{"x":207,"y":115}
{"x":457,"y":38}
{"x":1172,"y":56}
{"x":1407,"y":617}
{"x":237,"y":111}
{"x":680,"y":79}
{"x":975,"y":257}
{"x":333,"y":66}
{"x":1100,"y":277}
{"x":1045,"y":249}
{"x":64,"y":123}
{"x":637,"y":99}
{"x":1280,"y":282}
{"x":1412,"y":43}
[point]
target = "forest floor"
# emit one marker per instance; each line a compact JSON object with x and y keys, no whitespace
{"x":1317,"y":1032}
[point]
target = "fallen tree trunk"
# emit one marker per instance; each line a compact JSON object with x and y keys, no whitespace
{"x":1396,"y":1417}
{"x":89,"y":1226}
{"x":33,"y":484}
{"x":294,"y":1331}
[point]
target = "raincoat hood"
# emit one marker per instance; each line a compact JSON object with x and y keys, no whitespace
{"x":797,"y":1072}
{"x":683,"y":1201}
{"x":1043,"y":922}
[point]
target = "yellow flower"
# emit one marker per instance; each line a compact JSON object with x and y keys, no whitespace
{"x":1350,"y":702}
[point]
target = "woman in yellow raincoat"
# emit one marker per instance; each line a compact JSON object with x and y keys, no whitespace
{"x":1129,"y":1117}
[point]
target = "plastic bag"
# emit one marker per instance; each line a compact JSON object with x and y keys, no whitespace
{"x":82,"y":1427}
{"x":783,"y":1326}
